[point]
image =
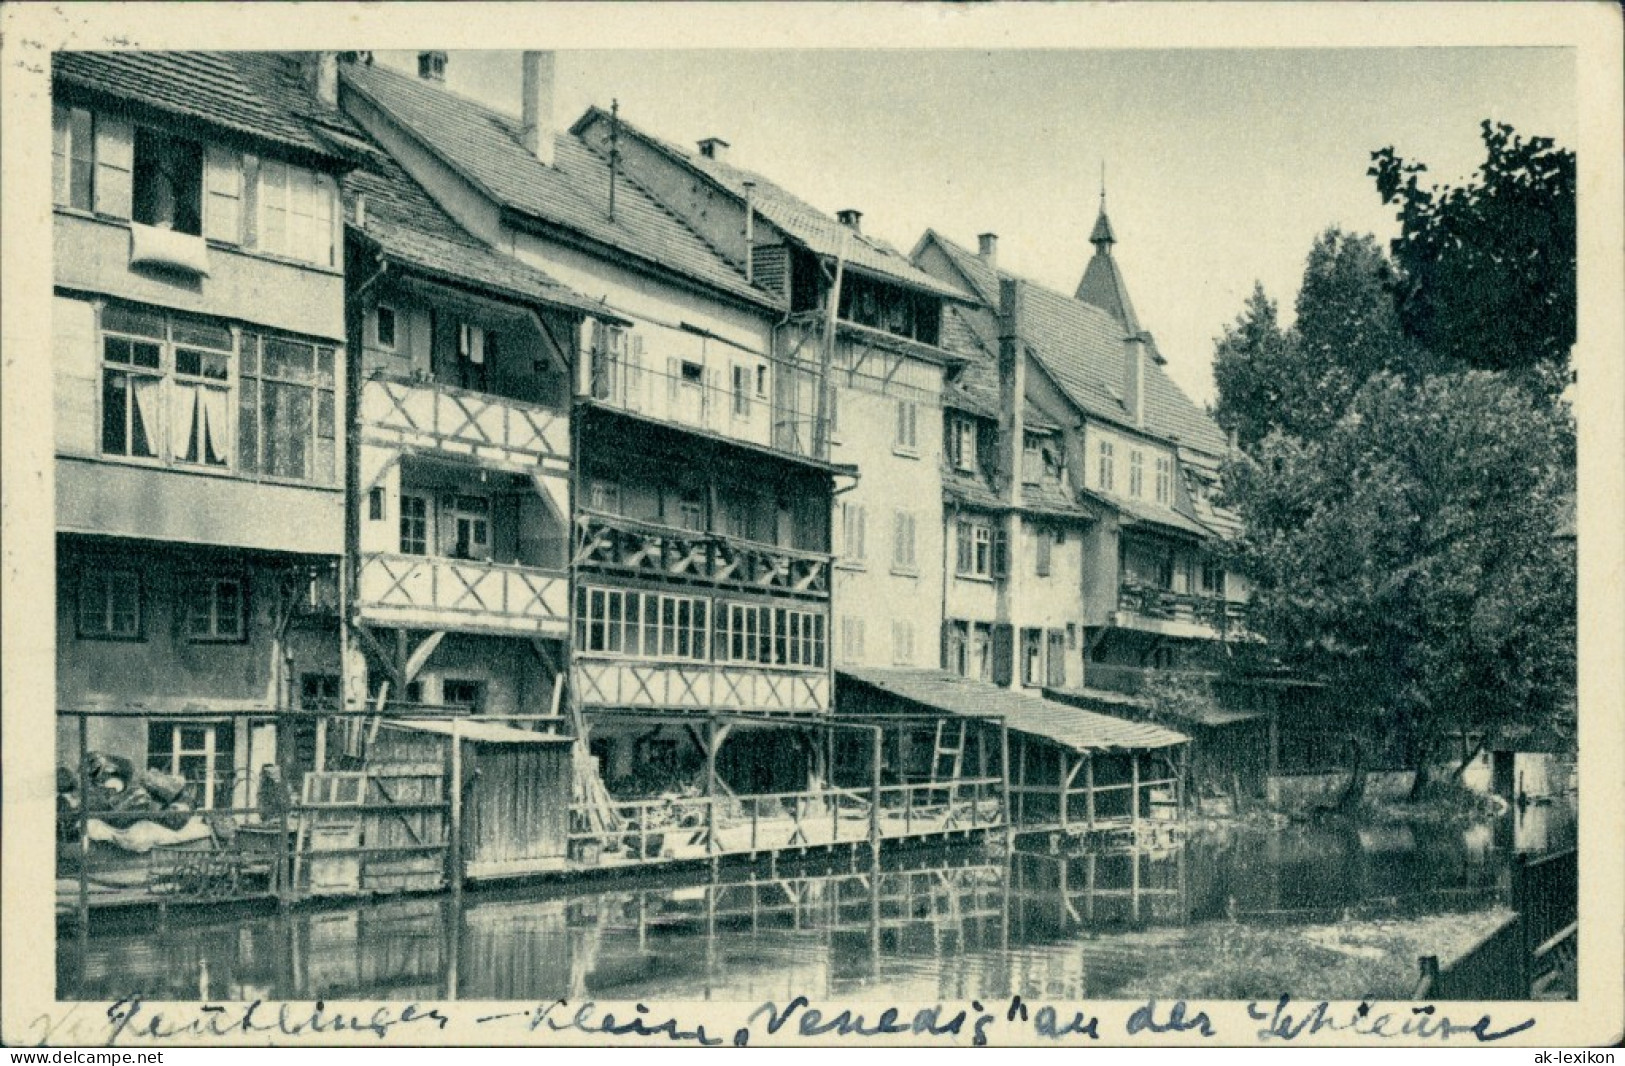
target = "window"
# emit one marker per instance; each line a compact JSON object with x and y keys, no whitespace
{"x":201,"y":396}
{"x":1032,"y":461}
{"x":384,"y":327}
{"x":761,"y":384}
{"x":1032,"y":657}
{"x":1165,"y":571}
{"x":203,"y":753}
{"x":852,"y":533}
{"x":319,"y":692}
{"x":167,"y":190}
{"x":741,"y":391}
{"x":1136,"y":472}
{"x":375,"y":504}
{"x":1046,"y":541}
{"x":469,"y":522}
{"x":691,"y":514}
{"x":643,"y":625}
{"x":1055,"y":677}
{"x":770,"y":636}
{"x":110,"y":604}
{"x":908,"y":415}
{"x":296,"y":216}
{"x":73,"y":157}
{"x":460,"y":693}
{"x":902,"y":642}
{"x":604,"y":496}
{"x":1213,"y":577}
{"x":287,"y":424}
{"x":974,"y":544}
{"x":692,"y":373}
{"x":214,"y":610}
{"x":903,"y":542}
{"x":1107,"y":462}
{"x":852,"y":639}
{"x":962,"y":443}
{"x":1165,"y":479}
{"x":979,"y":660}
{"x":132,"y":381}
{"x":414,"y":525}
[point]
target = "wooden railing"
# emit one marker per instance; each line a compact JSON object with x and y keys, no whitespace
{"x":696,"y":827}
{"x":616,"y":544}
{"x":611,"y":682}
{"x":430,"y":589}
{"x":1150,"y":601}
{"x":463,"y":422}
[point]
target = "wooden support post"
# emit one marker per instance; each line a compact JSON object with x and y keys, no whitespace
{"x":1062,"y":780}
{"x":1134,"y":792}
{"x":1021,"y":776}
{"x":711,"y":786}
{"x":456,"y":858}
{"x":84,"y":823}
{"x":1089,"y":790}
{"x":874,"y":796}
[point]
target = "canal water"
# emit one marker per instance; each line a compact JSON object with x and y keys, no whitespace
{"x":925,"y":926}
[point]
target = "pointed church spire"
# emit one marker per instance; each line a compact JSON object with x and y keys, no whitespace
{"x":1102,"y":283}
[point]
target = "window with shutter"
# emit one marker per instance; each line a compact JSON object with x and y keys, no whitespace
{"x":115,"y":164}
{"x":223,"y":206}
{"x":1004,"y":653}
{"x":1001,"y":553}
{"x":903,"y":542}
{"x":1045,"y":540}
{"x":1056,"y":662}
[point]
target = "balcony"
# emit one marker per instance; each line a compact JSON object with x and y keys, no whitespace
{"x":426,"y":592}
{"x":460,"y":422}
{"x":1178,"y":614}
{"x":609,"y":543}
{"x":624,"y":684}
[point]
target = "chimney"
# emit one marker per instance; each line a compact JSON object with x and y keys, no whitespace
{"x":432,"y":66}
{"x":714,"y":148}
{"x":852,"y":218}
{"x":536,"y":104}
{"x":987,"y":249}
{"x":1012,"y":390}
{"x":1134,"y":356}
{"x":320,"y":73}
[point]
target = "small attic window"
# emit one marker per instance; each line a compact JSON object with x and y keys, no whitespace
{"x":168,"y":182}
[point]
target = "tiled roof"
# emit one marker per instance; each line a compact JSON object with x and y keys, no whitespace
{"x":1071,"y":727}
{"x":1208,"y":714}
{"x":976,"y":388}
{"x":974,"y":490}
{"x":1154,"y":513}
{"x":411,"y":229}
{"x":820,"y":232}
{"x":485,"y":147}
{"x":257,"y":94}
{"x":1103,"y":284}
{"x":1081,"y":347}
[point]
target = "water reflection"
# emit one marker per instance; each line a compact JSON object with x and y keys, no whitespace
{"x":940,"y":926}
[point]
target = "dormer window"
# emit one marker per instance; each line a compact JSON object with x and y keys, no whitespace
{"x":962,"y":444}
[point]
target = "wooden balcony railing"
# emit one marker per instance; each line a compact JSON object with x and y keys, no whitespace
{"x":463,"y":594}
{"x":1150,"y":601}
{"x":612,"y":543}
{"x":657,"y":684}
{"x":465,"y":423}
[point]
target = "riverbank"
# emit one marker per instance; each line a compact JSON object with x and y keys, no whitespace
{"x":1370,"y":960}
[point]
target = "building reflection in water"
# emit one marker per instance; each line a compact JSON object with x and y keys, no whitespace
{"x":941,"y":926}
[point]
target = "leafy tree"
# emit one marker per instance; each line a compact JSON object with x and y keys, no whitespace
{"x":1299,"y":381}
{"x":1408,"y":556}
{"x":1487,"y":270}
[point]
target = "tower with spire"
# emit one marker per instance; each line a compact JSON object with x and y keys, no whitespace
{"x":1102,"y":283}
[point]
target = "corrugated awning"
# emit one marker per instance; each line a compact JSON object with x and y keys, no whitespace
{"x":1071,"y":727}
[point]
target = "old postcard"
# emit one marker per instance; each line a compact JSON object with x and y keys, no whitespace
{"x":693,"y":525}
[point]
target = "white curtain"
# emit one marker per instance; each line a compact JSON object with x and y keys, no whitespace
{"x":216,"y":432}
{"x":145,"y":393}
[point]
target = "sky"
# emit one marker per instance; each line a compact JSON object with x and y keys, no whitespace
{"x":1221,"y":166}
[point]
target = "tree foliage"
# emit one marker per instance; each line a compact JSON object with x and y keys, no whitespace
{"x":1408,"y":555}
{"x":1299,"y":381}
{"x":1487,"y":270}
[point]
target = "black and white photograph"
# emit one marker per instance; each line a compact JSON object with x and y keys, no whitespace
{"x":835,"y":525}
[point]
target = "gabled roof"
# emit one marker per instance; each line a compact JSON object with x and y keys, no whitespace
{"x":1081,"y":347}
{"x":1070,"y":727}
{"x":261,"y":95}
{"x":484,"y":146}
{"x":410,"y":229}
{"x":817,"y":231}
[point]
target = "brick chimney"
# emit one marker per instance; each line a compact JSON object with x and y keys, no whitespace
{"x":714,"y":148}
{"x":320,"y":73}
{"x":987,"y":249}
{"x":536,"y":104}
{"x":432,"y":66}
{"x":1012,"y":390}
{"x":852,"y":218}
{"x":1134,"y":357}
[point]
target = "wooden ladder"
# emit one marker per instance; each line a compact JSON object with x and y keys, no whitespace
{"x":949,"y":758}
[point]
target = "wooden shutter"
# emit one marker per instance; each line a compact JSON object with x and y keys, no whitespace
{"x":1001,"y":553}
{"x":251,"y":200}
{"x":61,"y":161}
{"x":1004,"y":653}
{"x":1055,"y":665}
{"x":115,"y":161}
{"x":223,"y":200}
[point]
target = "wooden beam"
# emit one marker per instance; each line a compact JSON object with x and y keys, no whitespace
{"x":420,"y":655}
{"x":385,"y":659}
{"x":1089,"y":789}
